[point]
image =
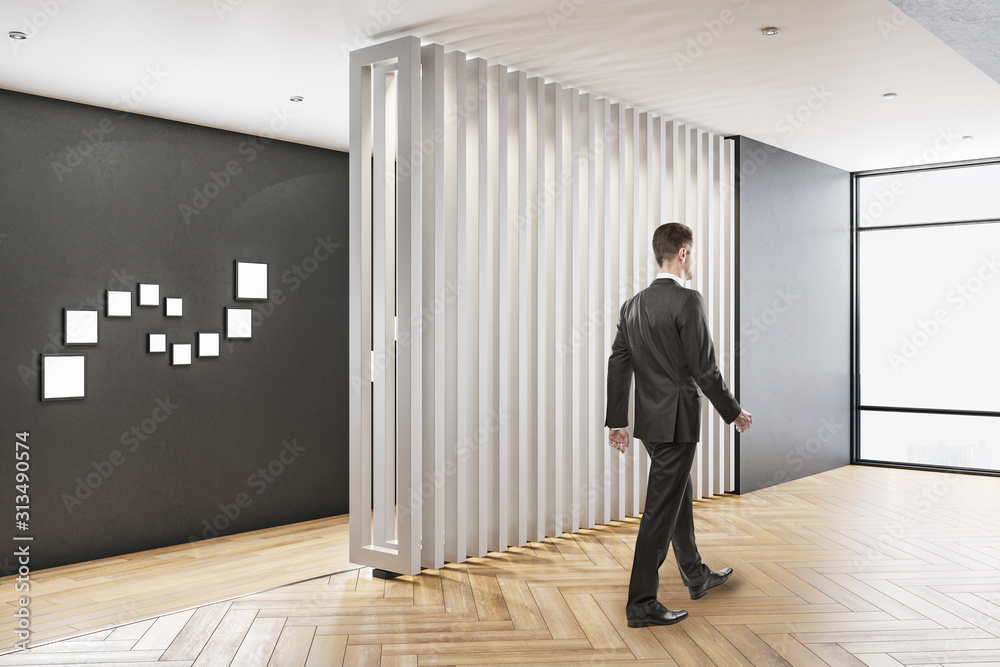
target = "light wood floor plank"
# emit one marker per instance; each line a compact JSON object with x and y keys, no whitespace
{"x":327,"y":650}
{"x":221,"y":648}
{"x":293,"y":647}
{"x":259,"y":642}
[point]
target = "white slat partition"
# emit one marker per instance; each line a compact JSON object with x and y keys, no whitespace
{"x":498,"y":221}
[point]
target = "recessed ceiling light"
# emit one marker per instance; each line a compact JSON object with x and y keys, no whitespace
{"x":770,"y":30}
{"x":17,"y":34}
{"x":890,"y":96}
{"x":968,"y":137}
{"x":296,"y":98}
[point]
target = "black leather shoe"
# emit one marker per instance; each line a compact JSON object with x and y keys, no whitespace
{"x":714,"y":579}
{"x":662,"y":617}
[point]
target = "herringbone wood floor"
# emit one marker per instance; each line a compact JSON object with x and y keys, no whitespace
{"x":857,"y":566}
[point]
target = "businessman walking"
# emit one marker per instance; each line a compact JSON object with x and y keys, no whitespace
{"x":663,"y":338}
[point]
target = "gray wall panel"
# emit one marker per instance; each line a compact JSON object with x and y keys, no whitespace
{"x":794,"y":315}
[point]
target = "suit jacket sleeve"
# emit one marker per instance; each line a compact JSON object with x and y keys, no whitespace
{"x":619,"y":378}
{"x":700,"y":353}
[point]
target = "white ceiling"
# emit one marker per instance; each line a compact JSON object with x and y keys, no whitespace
{"x":233,"y":64}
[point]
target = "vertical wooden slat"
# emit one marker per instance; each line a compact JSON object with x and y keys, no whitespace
{"x":410,"y":373}
{"x":480,"y":254}
{"x":557,"y":317}
{"x":521,"y":490}
{"x":642,"y":248}
{"x":538,"y":336}
{"x":616,"y":284}
{"x":546,"y":161}
{"x":605,"y":302}
{"x":575,"y":345}
{"x":384,"y":303}
{"x":490,"y":229}
{"x":590,"y":316}
{"x":507,"y":192}
{"x":432,"y":281}
{"x":360,"y":336}
{"x":626,"y":207}
{"x":379,"y":304}
{"x":456,"y":477}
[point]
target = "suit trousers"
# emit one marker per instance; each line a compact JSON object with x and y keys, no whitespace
{"x":668,"y":518}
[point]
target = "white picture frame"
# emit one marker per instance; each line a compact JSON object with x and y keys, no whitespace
{"x":80,"y":326}
{"x":251,"y":281}
{"x":208,"y":343}
{"x":64,"y":377}
{"x":157,"y":343}
{"x":173,"y":306}
{"x":239,"y":323}
{"x":119,"y":304}
{"x":180,"y":354}
{"x":149,"y":294}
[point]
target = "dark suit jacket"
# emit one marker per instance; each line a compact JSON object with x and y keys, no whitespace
{"x":663,"y":338}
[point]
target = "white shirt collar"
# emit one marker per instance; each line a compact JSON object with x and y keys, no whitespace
{"x":671,"y":276}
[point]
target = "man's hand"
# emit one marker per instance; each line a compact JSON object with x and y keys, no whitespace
{"x":743,"y":421}
{"x":619,"y":439}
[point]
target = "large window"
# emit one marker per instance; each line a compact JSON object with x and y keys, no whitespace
{"x":928,"y":317}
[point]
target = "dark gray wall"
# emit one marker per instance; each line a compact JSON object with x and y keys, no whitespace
{"x":794,"y":314}
{"x":93,"y":198}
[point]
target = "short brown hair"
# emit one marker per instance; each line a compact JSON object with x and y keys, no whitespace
{"x":670,"y":238}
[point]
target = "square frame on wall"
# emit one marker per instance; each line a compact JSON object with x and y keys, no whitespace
{"x":149,"y":294}
{"x":209,"y":343}
{"x":157,"y":343}
{"x":118,"y":304}
{"x":239,"y":323}
{"x":180,"y":354}
{"x":80,"y":326}
{"x":173,"y":306}
{"x":251,"y":281}
{"x":63,"y":377}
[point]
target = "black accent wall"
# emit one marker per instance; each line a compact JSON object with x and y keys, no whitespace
{"x":92,"y":199}
{"x":794,"y":315}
